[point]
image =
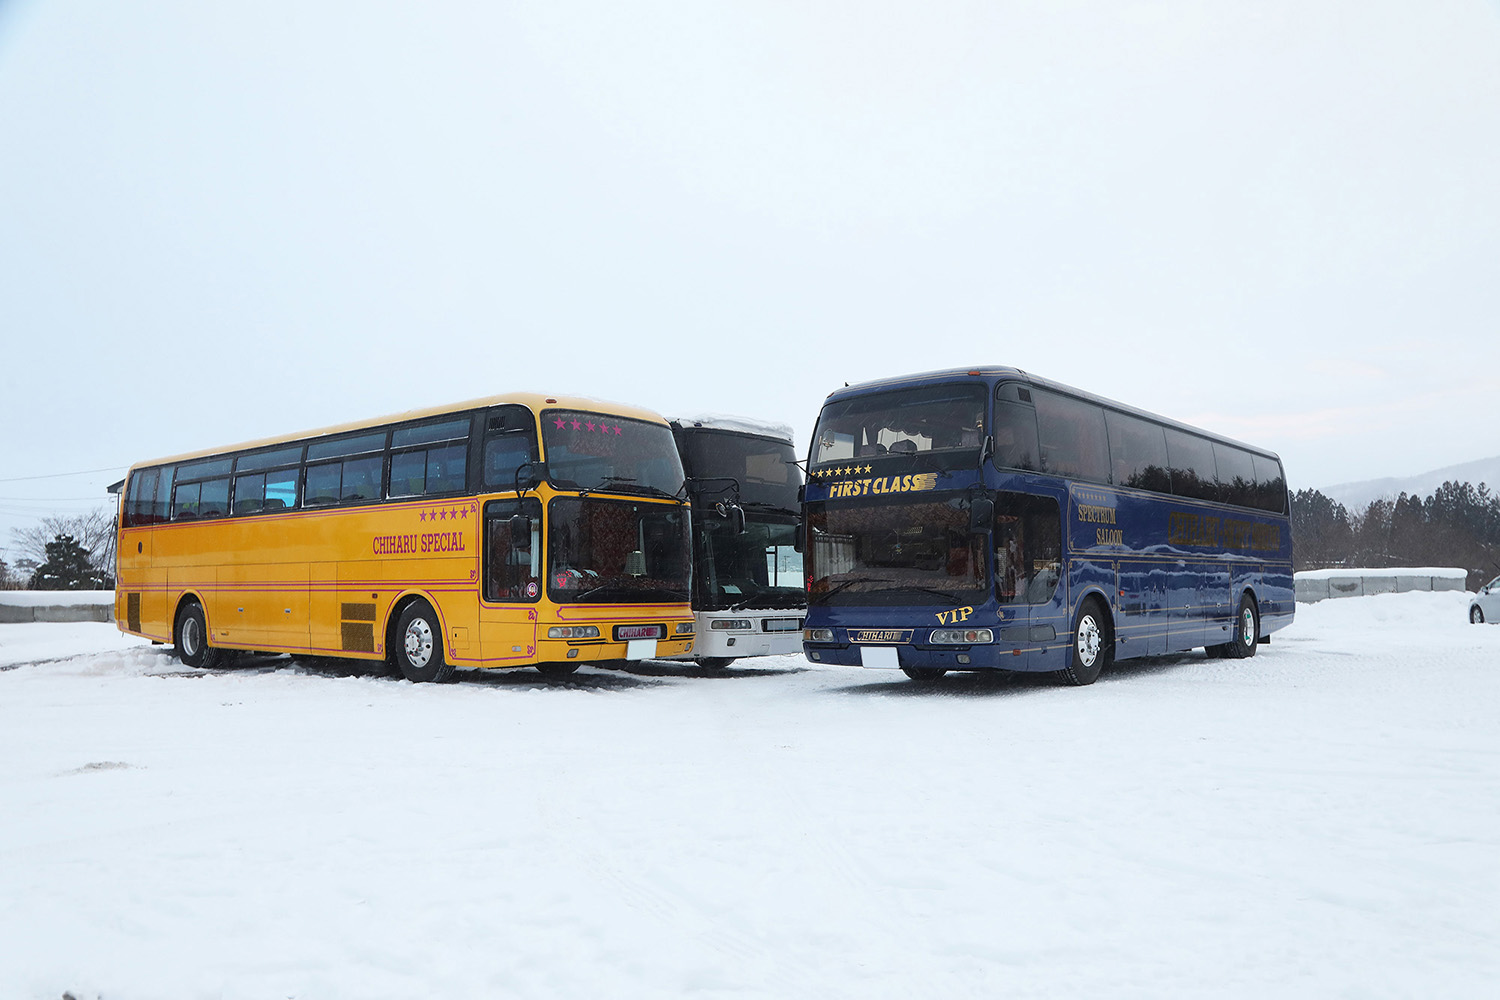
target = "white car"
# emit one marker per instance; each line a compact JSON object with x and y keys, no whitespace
{"x":1485,"y":607}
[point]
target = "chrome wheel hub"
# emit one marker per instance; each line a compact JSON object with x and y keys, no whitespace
{"x":1090,"y":639}
{"x":418,"y":642}
{"x":190,"y":638}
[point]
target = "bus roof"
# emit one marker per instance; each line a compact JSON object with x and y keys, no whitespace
{"x":1003,"y":373}
{"x":536,"y":402}
{"x":737,"y":425}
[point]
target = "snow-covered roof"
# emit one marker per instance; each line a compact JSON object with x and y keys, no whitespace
{"x":740,"y":425}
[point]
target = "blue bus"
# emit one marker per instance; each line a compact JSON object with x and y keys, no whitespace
{"x":982,"y":519}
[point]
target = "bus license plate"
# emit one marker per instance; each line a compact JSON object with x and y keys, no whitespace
{"x":878,"y":656}
{"x":640,"y":649}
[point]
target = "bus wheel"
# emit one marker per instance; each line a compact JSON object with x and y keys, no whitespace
{"x":190,"y":637}
{"x":557,"y":668}
{"x":418,"y":649}
{"x":715,"y":662}
{"x":924,"y":675}
{"x":1246,"y":631}
{"x":1092,"y":650}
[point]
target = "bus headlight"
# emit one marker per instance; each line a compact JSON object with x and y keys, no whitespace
{"x":573,"y":632}
{"x":684,"y":628}
{"x":962,"y":636}
{"x":730,"y":625}
{"x":818,"y":634}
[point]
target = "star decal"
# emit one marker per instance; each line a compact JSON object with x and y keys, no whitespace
{"x":422,"y":515}
{"x":591,"y":428}
{"x":561,"y":423}
{"x":443,"y":515}
{"x":577,"y":426}
{"x":617,"y":429}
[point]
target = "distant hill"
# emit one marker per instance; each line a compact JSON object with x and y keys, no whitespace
{"x":1357,"y":496}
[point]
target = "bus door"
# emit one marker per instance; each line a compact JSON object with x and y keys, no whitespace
{"x":512,"y":580}
{"x":1029,"y":584}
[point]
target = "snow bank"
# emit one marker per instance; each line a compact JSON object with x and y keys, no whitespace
{"x":1320,"y":820}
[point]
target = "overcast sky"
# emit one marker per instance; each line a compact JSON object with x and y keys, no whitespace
{"x":221,"y":221}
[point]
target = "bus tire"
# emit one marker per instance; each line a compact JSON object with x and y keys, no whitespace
{"x":557,"y":668}
{"x":924,"y":675}
{"x":418,"y":649}
{"x":1093,"y":650}
{"x":715,"y":662}
{"x":190,"y":637}
{"x":1246,"y":632}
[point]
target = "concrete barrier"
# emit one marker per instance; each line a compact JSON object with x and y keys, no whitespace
{"x":18,"y":607}
{"x":1321,"y":584}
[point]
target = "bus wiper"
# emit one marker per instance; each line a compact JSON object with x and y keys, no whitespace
{"x":769,"y":507}
{"x":849,"y":583}
{"x":945,"y":594}
{"x":655,"y":491}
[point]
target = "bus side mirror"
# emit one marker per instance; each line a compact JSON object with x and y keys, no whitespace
{"x":981,"y":515}
{"x":520,"y":531}
{"x":526,"y":476}
{"x":736,"y":515}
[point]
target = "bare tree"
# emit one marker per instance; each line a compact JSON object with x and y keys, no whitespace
{"x":95,"y":531}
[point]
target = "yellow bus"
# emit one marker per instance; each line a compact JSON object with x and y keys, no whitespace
{"x":513,"y":531}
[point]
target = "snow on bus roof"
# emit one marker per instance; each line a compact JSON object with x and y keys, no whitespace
{"x":740,"y":425}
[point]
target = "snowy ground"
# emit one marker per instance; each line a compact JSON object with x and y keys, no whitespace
{"x":1320,"y":821}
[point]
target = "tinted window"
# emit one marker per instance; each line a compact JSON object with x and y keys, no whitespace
{"x":1072,"y":437}
{"x":141,"y":505}
{"x":1015,"y":429}
{"x":204,"y":470}
{"x":265,"y":491}
{"x":1137,"y":452}
{"x":442,"y":430}
{"x":1192,"y":462}
{"x":1236,"y":475}
{"x":209,"y":498}
{"x":509,"y":444}
{"x":263,"y":460}
{"x":1270,"y":484}
{"x":438,"y":469}
{"x":594,"y":451}
{"x":937,"y":418}
{"x":512,"y":566}
{"x":1028,"y":548}
{"x":346,"y":446}
{"x":349,"y":481}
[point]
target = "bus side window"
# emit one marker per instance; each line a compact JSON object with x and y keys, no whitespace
{"x":509,"y":444}
{"x":1015,"y":436}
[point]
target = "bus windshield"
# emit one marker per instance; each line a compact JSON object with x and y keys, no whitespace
{"x":757,"y":568}
{"x":591,"y":452}
{"x":946,"y":420}
{"x":895,"y":554}
{"x":614,"y":550}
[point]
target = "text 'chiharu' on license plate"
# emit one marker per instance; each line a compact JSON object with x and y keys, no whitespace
{"x":880,"y":635}
{"x":638,"y":632}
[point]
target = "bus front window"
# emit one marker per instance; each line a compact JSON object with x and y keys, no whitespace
{"x":895,"y":554}
{"x":612,"y":550}
{"x":594,"y":453}
{"x":944,"y":420}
